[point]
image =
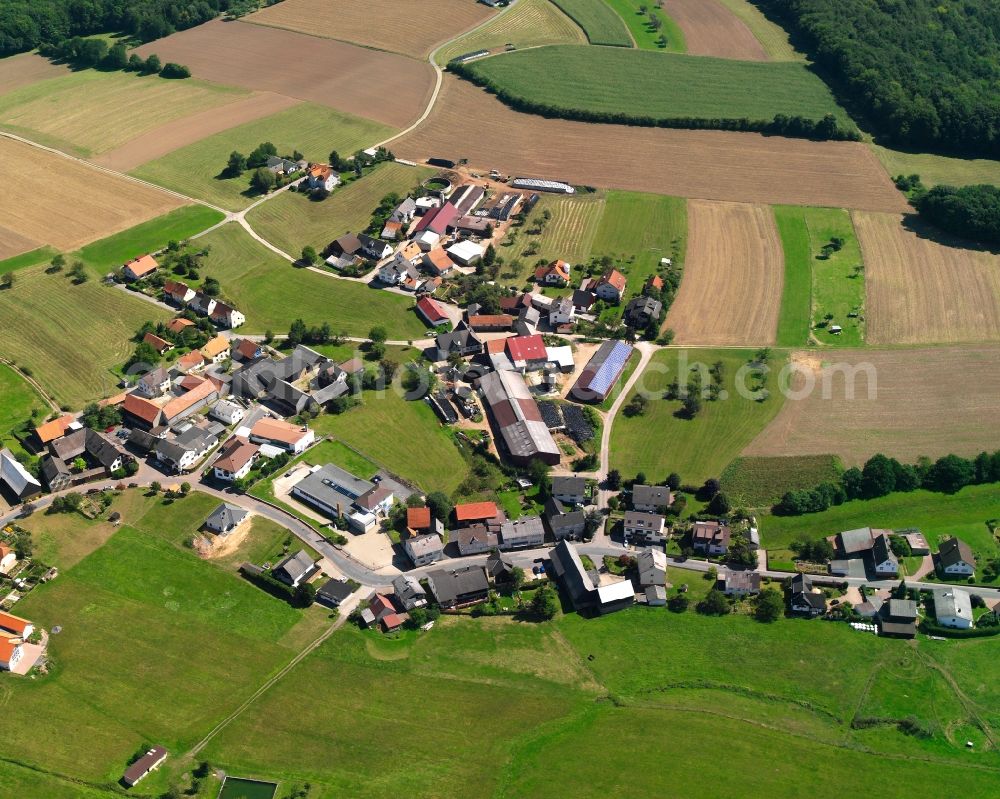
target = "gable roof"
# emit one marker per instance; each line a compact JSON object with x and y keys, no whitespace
{"x":955,"y":550}
{"x":438,"y":219}
{"x":20,"y":480}
{"x":295,"y":566}
{"x":418,"y":518}
{"x":54,"y":429}
{"x":141,"y":408}
{"x":215,"y":346}
{"x":613,"y":278}
{"x":198,"y":392}
{"x":235,"y":454}
{"x":474,"y":511}
{"x":431,"y":311}
{"x":13,"y":624}
{"x":277,"y":430}
{"x":526,"y":348}
{"x":179,"y":324}
{"x":142,"y":265}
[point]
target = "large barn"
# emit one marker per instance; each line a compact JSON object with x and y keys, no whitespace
{"x":516,"y":418}
{"x":603,"y":371}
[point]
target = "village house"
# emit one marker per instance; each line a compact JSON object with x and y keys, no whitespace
{"x":611,"y":286}
{"x":179,"y":324}
{"x":651,"y":499}
{"x":523,"y":533}
{"x":295,"y":569}
{"x":226,"y":518}
{"x":154,"y":384}
{"x":710,"y":537}
{"x":458,"y":587}
{"x":322,"y":176}
{"x":424,"y":549}
{"x":216,"y":350}
{"x":228,"y":412}
{"x":647,"y":529}
{"x":139,"y":268}
{"x":56,"y":428}
{"x":556,"y":273}
{"x":226,"y":316}
{"x":465,"y":252}
{"x":178,"y":293}
{"x":570,"y":490}
{"x":563,"y":523}
{"x":471,"y":512}
{"x":419,"y":520}
{"x":641,"y":311}
{"x":499,"y":569}
{"x":953,"y":608}
{"x":185,"y":450}
{"x":8,"y":559}
{"x":438,"y":262}
{"x":202,"y":303}
{"x":409,"y":592}
{"x":18,"y":480}
{"x":333,"y":592}
{"x":245,"y":350}
{"x":291,"y":438}
{"x":404,"y":212}
{"x":527,"y":322}
{"x":955,"y":558}
{"x":187,"y":363}
{"x":739,"y":584}
{"x":236,"y":458}
{"x":561,"y":312}
{"x":161,"y":345}
{"x":585,"y":589}
{"x":341,"y":495}
{"x":432,"y":313}
{"x":652,"y":567}
{"x":397,"y":271}
{"x":869,"y":549}
{"x":476,"y":539}
{"x":898,"y":619}
{"x":461,"y":341}
{"x":804,"y":598}
{"x":381,"y":610}
{"x":282,"y":166}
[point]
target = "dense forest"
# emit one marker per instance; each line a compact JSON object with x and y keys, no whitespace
{"x":25,"y":24}
{"x":972,"y":212}
{"x":925,"y":72}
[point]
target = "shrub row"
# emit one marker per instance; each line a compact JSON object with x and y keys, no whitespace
{"x":826,"y":129}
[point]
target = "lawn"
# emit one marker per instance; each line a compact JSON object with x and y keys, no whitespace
{"x":657,"y":85}
{"x":89,"y":112}
{"x":528,"y":23}
{"x":293,"y":220}
{"x":796,"y":298}
{"x":314,"y":130}
{"x":108,"y":254}
{"x":272,"y":293}
{"x":401,"y":436}
{"x":659,"y":442}
{"x":645,"y":35}
{"x":70,"y":336}
{"x":637,"y":230}
{"x":155,"y":645}
{"x":759,"y":482}
{"x":601,"y":25}
{"x":17,"y":401}
{"x":963,"y":514}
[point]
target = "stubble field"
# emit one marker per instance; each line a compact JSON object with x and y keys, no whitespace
{"x":170,"y":136}
{"x":712,"y":29}
{"x":921,"y":291}
{"x":385,"y":87}
{"x":89,"y":203}
{"x":744,"y":167}
{"x":930,"y":401}
{"x":731,"y":290}
{"x":410,"y":27}
{"x":27,"y":68}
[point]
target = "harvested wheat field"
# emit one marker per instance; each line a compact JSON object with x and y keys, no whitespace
{"x":411,"y":27}
{"x":921,"y":291}
{"x":386,"y":87}
{"x":528,"y":23}
{"x":14,"y":243}
{"x":190,"y":129}
{"x":27,"y":68}
{"x":733,"y":276}
{"x":90,"y":204}
{"x":712,"y":29}
{"x":717,"y":165}
{"x":928,"y":401}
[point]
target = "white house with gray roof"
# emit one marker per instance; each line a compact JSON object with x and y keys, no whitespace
{"x":226,"y":518}
{"x":339,"y":494}
{"x":953,"y":608}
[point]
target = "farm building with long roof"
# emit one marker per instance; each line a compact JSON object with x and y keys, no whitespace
{"x":516,"y":418}
{"x":602,"y":372}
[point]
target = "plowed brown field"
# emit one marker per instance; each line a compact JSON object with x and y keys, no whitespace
{"x":733,"y":275}
{"x":386,"y":87}
{"x":411,"y":27}
{"x":21,"y":70}
{"x":88,"y":205}
{"x":13,"y":243}
{"x":712,"y":29}
{"x":921,"y":291}
{"x":187,"y":130}
{"x":927,"y":402}
{"x":469,"y":123}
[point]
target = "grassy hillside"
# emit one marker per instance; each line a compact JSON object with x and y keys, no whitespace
{"x":600,"y":24}
{"x":645,"y":35}
{"x":645,"y":84}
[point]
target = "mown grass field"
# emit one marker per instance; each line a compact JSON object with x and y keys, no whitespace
{"x":569,"y":234}
{"x":645,"y":84}
{"x":934,"y":169}
{"x":600,"y":24}
{"x":272,"y":293}
{"x":837,"y":286}
{"x":156,"y":645}
{"x":760,"y":482}
{"x":403,"y":436}
{"x":642,"y":31}
{"x":70,"y":336}
{"x":29,"y":258}
{"x":528,"y":23}
{"x":89,"y":112}
{"x":963,"y":514}
{"x":313,"y":130}
{"x":17,"y":401}
{"x":794,"y":328}
{"x":659,"y":442}
{"x":293,"y":220}
{"x":110,"y":253}
{"x":773,"y":38}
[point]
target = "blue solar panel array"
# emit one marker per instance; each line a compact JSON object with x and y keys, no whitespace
{"x":608,"y":372}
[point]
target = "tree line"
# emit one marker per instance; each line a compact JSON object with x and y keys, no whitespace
{"x":83,"y":53}
{"x":799,"y":127}
{"x":925,"y":73}
{"x":882,"y":475}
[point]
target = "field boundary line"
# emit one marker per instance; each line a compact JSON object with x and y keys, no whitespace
{"x":46,"y":397}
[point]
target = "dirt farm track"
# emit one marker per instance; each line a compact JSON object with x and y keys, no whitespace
{"x":930,"y":401}
{"x":385,"y":87}
{"x":712,"y":29}
{"x":733,"y":276}
{"x":921,"y":291}
{"x":717,"y":165}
